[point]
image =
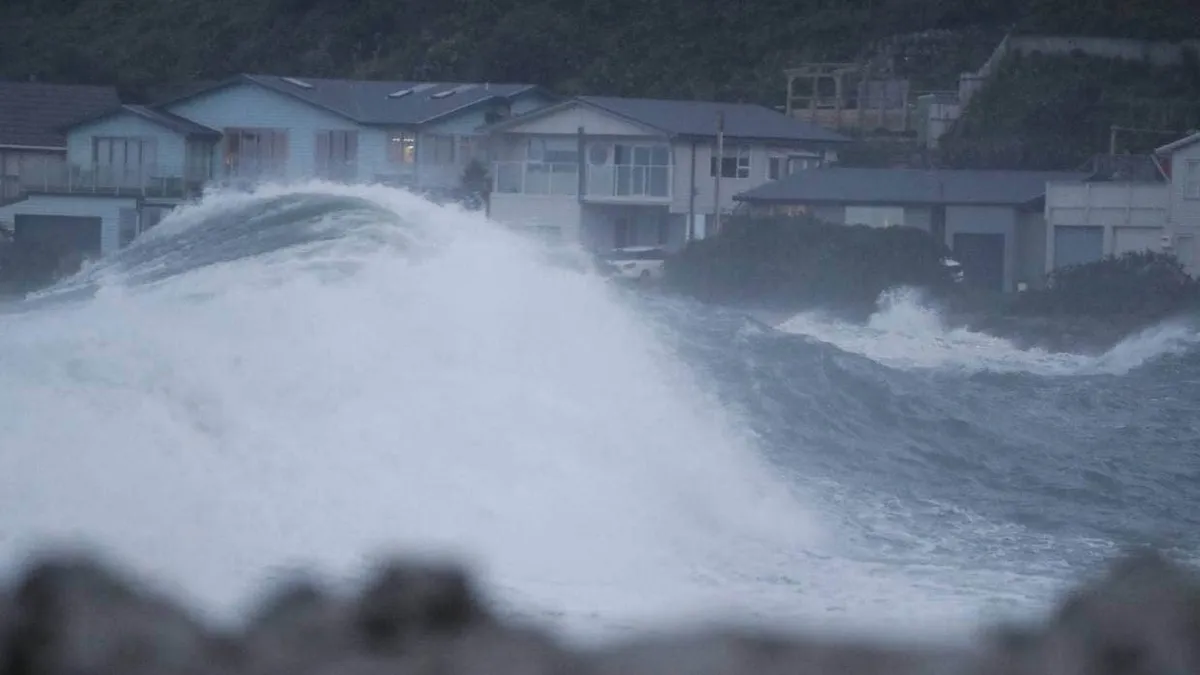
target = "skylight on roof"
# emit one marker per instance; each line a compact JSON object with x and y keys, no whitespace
{"x":401,"y":93}
{"x":299,"y":83}
{"x":443,"y":94}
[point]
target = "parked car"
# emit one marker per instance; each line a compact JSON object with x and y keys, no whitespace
{"x":641,"y":263}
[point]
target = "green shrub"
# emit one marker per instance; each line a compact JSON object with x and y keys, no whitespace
{"x":1143,"y":284}
{"x":801,"y":261}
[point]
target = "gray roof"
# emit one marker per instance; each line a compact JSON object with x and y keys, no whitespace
{"x":908,"y":186}
{"x":33,"y":113}
{"x":375,"y":102}
{"x":696,"y":119}
{"x":699,"y":118}
{"x":162,"y":118}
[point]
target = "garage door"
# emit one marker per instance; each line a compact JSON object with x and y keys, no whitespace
{"x":1077,"y":245}
{"x":55,"y":245}
{"x":1126,"y":239}
{"x":982,"y":258}
{"x":59,"y":233}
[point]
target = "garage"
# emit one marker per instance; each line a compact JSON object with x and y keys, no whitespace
{"x":1077,"y":244}
{"x":50,"y":246}
{"x":982,"y":258}
{"x":1127,"y":239}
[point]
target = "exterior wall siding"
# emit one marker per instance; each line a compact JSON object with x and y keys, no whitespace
{"x":1185,"y":211}
{"x":705,"y":186}
{"x":170,"y":147}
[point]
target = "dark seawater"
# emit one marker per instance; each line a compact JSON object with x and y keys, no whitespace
{"x":312,"y":375}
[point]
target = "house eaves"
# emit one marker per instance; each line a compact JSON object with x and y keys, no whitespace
{"x":566,"y":105}
{"x":1179,"y":144}
{"x":161,"y":118}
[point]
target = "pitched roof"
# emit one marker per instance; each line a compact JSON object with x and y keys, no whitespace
{"x":1179,"y":144}
{"x":699,"y":118}
{"x":374,"y":102}
{"x":908,"y":186}
{"x":33,"y":113}
{"x":173,"y":122}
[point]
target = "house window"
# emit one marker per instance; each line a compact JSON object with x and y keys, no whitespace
{"x":552,"y":166}
{"x":802,"y":163}
{"x":1191,"y":179}
{"x":199,"y":160}
{"x":440,"y":149}
{"x":775,"y":167}
{"x":875,"y":216}
{"x":402,"y":147}
{"x":123,"y":161}
{"x":642,"y":170}
{"x":337,"y":154}
{"x":735,"y":162}
{"x":253,"y":153}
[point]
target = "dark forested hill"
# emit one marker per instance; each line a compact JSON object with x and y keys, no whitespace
{"x":706,"y":48}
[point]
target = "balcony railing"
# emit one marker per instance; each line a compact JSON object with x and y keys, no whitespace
{"x":537,"y":178}
{"x":633,"y":182}
{"x":616,"y":183}
{"x":56,"y":176}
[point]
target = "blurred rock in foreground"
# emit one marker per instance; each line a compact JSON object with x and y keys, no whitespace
{"x":73,"y":616}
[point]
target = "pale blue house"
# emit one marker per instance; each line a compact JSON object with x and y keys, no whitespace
{"x":418,"y":134}
{"x":124,"y":168}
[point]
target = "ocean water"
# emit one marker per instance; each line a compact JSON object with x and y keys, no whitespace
{"x":315,"y":376}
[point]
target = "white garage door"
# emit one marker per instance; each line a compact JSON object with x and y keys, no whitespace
{"x":1127,"y":239}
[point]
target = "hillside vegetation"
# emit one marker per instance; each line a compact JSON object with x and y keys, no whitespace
{"x":1054,"y":111}
{"x":684,"y":48}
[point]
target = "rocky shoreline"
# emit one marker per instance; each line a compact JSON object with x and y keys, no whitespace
{"x":75,"y":616}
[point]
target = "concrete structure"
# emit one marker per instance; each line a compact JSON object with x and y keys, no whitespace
{"x":1090,"y":220}
{"x":1156,"y":209}
{"x":992,"y":221}
{"x":614,"y":172}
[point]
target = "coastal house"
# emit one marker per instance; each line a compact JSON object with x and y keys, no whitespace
{"x":992,"y":220}
{"x":614,"y":172}
{"x":415,"y":134}
{"x":33,"y":151}
{"x":119,"y":168}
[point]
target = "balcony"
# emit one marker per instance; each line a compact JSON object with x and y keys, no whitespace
{"x":537,"y":178}
{"x":625,"y":182}
{"x":608,"y":183}
{"x":57,"y":176}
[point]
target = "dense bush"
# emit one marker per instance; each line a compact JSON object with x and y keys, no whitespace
{"x":1139,"y":284}
{"x":1054,"y":111}
{"x":801,"y":261}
